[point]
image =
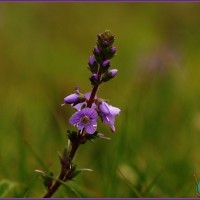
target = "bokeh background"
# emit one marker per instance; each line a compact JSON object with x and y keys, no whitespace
{"x":44,"y":50}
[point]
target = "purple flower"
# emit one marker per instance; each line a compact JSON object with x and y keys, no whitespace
{"x":96,"y":51}
{"x":72,"y":98}
{"x":103,"y":108}
{"x":79,"y":106}
{"x":85,"y":119}
{"x":75,"y":98}
{"x":108,"y":114}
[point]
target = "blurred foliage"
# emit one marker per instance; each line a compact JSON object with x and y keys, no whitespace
{"x":43,"y":56}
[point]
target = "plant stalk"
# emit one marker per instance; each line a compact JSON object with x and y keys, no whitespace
{"x":64,"y":171}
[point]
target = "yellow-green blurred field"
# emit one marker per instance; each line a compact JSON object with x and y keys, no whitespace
{"x":44,"y":50}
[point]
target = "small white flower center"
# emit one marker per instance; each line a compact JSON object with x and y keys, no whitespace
{"x":85,"y":120}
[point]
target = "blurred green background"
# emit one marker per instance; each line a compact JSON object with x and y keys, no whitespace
{"x":44,"y":50}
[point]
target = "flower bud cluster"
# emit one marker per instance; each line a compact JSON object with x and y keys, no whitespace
{"x":99,"y":63}
{"x":88,"y":106}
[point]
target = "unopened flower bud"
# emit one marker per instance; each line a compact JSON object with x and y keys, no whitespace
{"x":93,"y":65}
{"x":94,"y":79}
{"x":105,"y":39}
{"x":105,"y":43}
{"x":100,"y":36}
{"x":96,"y":51}
{"x":74,"y":99}
{"x":98,"y":54}
{"x":77,"y":90}
{"x":106,"y":64}
{"x":92,"y":61}
{"x":109,"y":75}
{"x":111,"y":39}
{"x":113,"y":72}
{"x":113,"y":50}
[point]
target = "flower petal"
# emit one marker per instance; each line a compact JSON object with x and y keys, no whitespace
{"x":75,"y":118}
{"x":108,"y":119}
{"x":72,"y":98}
{"x":79,"y":106}
{"x":112,"y":128}
{"x":88,"y":94}
{"x":114,"y":110}
{"x":93,"y":114}
{"x":93,"y":123}
{"x":90,"y":112}
{"x":86,"y":111}
{"x":90,"y":128}
{"x":81,"y":126}
{"x":104,"y":109}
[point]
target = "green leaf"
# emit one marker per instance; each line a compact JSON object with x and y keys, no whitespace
{"x":126,"y":173}
{"x":6,"y":186}
{"x":152,"y":184}
{"x":72,"y":135}
{"x":75,"y":173}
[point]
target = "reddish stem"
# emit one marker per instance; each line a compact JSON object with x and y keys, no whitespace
{"x":65,"y":172}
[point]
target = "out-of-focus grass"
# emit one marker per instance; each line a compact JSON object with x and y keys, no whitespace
{"x":43,"y":56}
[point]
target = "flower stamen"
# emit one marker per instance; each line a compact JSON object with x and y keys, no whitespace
{"x":85,"y":120}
